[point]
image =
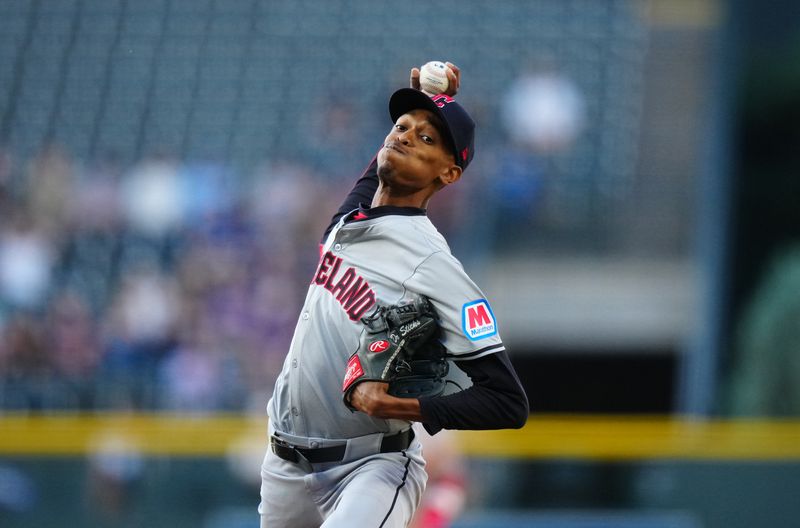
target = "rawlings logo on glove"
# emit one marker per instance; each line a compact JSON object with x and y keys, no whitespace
{"x":399,"y":345}
{"x":378,"y":346}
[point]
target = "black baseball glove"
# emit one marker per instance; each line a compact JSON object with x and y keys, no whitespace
{"x":399,"y":345}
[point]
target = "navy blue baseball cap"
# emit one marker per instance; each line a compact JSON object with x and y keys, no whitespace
{"x":459,"y":126}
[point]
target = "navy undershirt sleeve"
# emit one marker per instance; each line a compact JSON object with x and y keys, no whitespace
{"x":496,"y":400}
{"x":362,"y":192}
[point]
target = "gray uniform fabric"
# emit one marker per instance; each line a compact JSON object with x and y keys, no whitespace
{"x":364,"y":262}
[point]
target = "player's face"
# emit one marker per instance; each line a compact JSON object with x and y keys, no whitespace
{"x":415,"y":156}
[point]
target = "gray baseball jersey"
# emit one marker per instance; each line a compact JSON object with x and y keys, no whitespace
{"x":364,"y":262}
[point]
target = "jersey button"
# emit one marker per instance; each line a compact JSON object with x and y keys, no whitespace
{"x":295,"y":411}
{"x":294,"y":363}
{"x":337,"y":247}
{"x":305,"y":316}
{"x":314,"y":445}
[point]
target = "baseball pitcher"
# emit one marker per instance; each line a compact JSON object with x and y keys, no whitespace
{"x":388,"y":312}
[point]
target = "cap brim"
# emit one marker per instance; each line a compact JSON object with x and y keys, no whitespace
{"x":405,"y":100}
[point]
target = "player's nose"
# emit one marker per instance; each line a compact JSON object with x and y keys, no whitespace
{"x":405,"y":137}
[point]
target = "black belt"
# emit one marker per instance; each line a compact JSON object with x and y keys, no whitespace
{"x":286,"y":451}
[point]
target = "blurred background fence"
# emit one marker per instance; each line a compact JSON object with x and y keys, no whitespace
{"x":167,"y":168}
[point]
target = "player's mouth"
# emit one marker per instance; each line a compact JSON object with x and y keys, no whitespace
{"x":396,"y":147}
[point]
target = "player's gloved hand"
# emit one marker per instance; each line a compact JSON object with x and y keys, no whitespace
{"x":453,"y":77}
{"x":423,"y":374}
{"x":398,"y":342}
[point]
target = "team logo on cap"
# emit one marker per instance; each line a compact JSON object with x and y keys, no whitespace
{"x":442,"y":99}
{"x":477,"y":320}
{"x":378,"y":346}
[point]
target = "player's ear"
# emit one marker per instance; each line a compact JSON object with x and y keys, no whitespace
{"x":451,"y":175}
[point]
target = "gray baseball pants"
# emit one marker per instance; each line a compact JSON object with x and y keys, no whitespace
{"x":380,"y":490}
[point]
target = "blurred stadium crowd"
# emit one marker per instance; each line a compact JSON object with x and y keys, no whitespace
{"x":159,"y":285}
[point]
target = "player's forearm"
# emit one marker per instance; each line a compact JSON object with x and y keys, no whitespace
{"x":496,"y":400}
{"x":400,"y":409}
{"x":370,"y":397}
{"x":476,"y":408}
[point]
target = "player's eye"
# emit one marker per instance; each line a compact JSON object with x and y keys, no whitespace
{"x":399,"y":128}
{"x":427,"y":139}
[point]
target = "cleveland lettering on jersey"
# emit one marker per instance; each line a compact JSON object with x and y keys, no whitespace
{"x":349,"y":289}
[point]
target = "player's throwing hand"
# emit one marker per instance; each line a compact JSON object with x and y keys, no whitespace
{"x":453,"y":77}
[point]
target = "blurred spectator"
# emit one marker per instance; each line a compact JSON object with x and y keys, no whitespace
{"x":766,"y":378}
{"x":275,"y":304}
{"x":336,"y":138}
{"x":6,"y":182}
{"x":191,"y":377}
{"x":6,"y":165}
{"x":26,"y":377}
{"x":283,"y":202}
{"x":50,"y":179}
{"x":24,"y":355}
{"x":26,"y":258}
{"x":152,"y":197}
{"x":95,"y":204}
{"x":206,"y":191}
{"x":73,"y":344}
{"x":115,"y":469}
{"x":452,"y":207}
{"x":146,"y":307}
{"x":138,"y":335}
{"x":544,"y":110}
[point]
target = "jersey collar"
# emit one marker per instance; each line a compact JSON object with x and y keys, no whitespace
{"x":365,"y":212}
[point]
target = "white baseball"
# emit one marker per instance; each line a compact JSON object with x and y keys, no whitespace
{"x":433,"y":78}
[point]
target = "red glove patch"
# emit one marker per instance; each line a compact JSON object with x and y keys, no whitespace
{"x":353,"y":372}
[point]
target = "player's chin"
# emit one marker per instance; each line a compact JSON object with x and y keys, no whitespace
{"x":388,"y":165}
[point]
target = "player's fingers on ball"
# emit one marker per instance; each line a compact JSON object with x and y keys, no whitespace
{"x":414,"y":80}
{"x":456,"y":70}
{"x":453,"y":78}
